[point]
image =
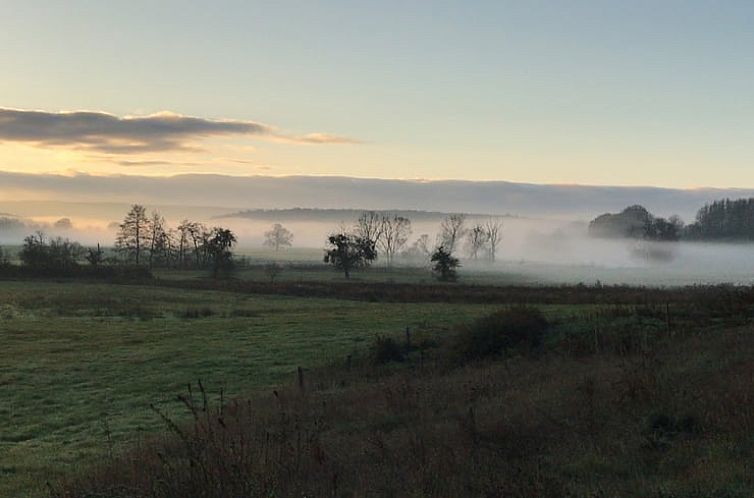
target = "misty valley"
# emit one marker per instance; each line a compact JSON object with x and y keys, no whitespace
{"x":348,"y":310}
{"x":338,"y":249}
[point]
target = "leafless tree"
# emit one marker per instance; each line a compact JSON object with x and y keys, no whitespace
{"x":370,"y":226}
{"x":492,"y":228}
{"x":159,"y":241}
{"x":182,"y":241}
{"x":452,"y":231}
{"x":395,"y":233}
{"x":421,"y":249}
{"x":476,"y":240}
{"x":193,"y":236}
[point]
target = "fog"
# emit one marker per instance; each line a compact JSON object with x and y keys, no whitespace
{"x":532,"y":250}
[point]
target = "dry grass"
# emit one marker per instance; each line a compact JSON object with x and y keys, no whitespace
{"x":671,"y":418}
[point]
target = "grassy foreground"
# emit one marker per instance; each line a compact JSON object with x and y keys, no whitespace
{"x":616,"y":405}
{"x":81,"y":363}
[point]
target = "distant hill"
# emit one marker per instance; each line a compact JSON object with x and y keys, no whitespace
{"x":233,"y":193}
{"x":336,"y":215}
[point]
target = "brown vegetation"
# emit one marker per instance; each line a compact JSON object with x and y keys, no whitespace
{"x":661,"y":411}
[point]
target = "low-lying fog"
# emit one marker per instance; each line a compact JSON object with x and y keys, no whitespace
{"x":532,"y":250}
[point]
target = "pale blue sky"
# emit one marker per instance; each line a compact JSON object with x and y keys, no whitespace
{"x":638,"y":93}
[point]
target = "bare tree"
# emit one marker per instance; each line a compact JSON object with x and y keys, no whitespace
{"x":132,"y":233}
{"x":421,"y":249}
{"x":395,"y":232}
{"x":158,"y":240}
{"x":197,"y":237}
{"x":452,"y":231}
{"x":476,"y":240}
{"x":278,"y":237}
{"x":370,"y":226}
{"x":192,"y":237}
{"x":492,"y":228}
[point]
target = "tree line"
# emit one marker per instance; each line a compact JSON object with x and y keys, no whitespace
{"x":724,"y":219}
{"x":143,"y":240}
{"x":146,"y":239}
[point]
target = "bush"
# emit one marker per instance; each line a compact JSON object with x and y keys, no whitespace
{"x":662,"y":428}
{"x":519,"y":328}
{"x":386,"y":350}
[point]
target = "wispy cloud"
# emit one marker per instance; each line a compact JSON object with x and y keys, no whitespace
{"x":164,"y":131}
{"x":317,"y":138}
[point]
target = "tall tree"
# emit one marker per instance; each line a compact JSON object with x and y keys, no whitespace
{"x":492,"y":229}
{"x":395,"y":233}
{"x":278,"y":237}
{"x":452,"y":231}
{"x":476,"y":240}
{"x":421,"y":249}
{"x":219,"y":245}
{"x":158,"y":240}
{"x":132,"y":233}
{"x":370,"y":227}
{"x":196,"y":237}
{"x":182,"y":241}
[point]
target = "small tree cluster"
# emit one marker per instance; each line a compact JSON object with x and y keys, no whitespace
{"x":43,"y":253}
{"x":387,"y":233}
{"x":147,"y":239}
{"x":635,"y":222}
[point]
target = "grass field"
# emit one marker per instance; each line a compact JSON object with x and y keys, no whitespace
{"x":631,"y":401}
{"x":81,"y":363}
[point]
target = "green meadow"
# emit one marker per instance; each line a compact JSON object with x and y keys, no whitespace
{"x":80,"y":364}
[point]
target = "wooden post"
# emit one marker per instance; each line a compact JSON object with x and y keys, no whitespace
{"x":596,"y":341}
{"x":667,"y":319}
{"x":301,"y":378}
{"x":408,"y":339}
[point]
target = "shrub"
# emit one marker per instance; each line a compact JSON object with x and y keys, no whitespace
{"x":445,"y":265}
{"x":662,"y":428}
{"x":519,"y":328}
{"x":386,"y":350}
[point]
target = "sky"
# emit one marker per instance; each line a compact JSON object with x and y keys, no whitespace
{"x":656,"y":93}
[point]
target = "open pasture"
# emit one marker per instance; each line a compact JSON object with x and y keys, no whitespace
{"x":80,"y":364}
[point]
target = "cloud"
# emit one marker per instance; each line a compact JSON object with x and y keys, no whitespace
{"x":147,"y":163}
{"x":317,"y":138}
{"x":164,"y":131}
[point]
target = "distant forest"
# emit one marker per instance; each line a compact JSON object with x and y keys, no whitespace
{"x":723,"y":220}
